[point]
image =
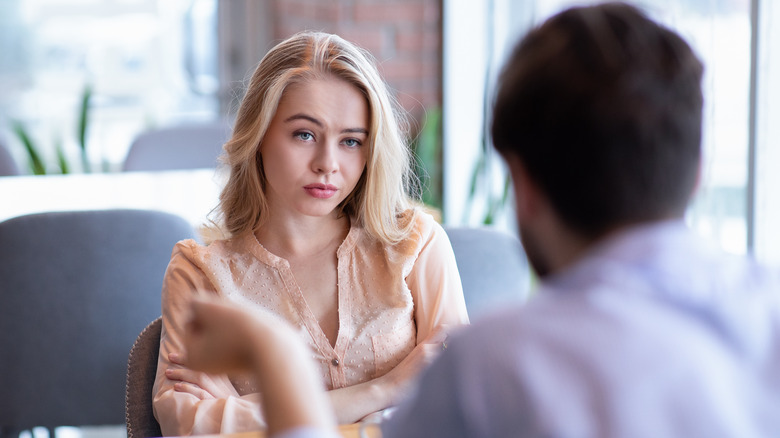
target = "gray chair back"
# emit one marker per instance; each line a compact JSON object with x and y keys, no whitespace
{"x":179,"y":147}
{"x":141,"y":371}
{"x":77,"y":288}
{"x":493,"y":268}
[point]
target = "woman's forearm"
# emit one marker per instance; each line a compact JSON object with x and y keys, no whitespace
{"x":354,"y":402}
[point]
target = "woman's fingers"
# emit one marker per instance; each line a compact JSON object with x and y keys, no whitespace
{"x":183,"y":374}
{"x":176,"y":358}
{"x":213,"y":386}
{"x":189,"y":388}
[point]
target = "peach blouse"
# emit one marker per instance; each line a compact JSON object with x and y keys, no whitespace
{"x":389,"y":299}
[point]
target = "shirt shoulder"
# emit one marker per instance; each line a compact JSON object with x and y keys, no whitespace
{"x":218,"y":251}
{"x":423,"y":230}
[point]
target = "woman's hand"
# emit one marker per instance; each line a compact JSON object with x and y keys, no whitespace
{"x":361,"y":402}
{"x":201,"y":385}
{"x":398,"y":381}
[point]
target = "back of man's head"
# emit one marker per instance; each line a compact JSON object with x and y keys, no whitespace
{"x":603,"y":107}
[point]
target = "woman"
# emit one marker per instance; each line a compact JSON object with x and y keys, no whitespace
{"x":320,"y":232}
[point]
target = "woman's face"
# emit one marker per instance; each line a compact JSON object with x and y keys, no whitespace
{"x":314,"y":151}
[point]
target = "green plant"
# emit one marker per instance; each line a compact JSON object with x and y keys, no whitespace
{"x":488,"y":179}
{"x":484,"y":182}
{"x":83,"y":120}
{"x":427,"y":148}
{"x":36,"y":161}
{"x":62,"y":160}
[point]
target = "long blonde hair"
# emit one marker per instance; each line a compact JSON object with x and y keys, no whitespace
{"x":380,"y":202}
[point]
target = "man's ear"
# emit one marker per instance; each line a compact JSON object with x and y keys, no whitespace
{"x":527,"y":196}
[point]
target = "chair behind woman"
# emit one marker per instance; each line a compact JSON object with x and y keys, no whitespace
{"x":493,"y":268}
{"x":141,"y":370}
{"x":77,"y":288}
{"x":178,"y":147}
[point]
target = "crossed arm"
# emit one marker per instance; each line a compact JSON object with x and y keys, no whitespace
{"x":350,"y":403}
{"x":221,"y":338}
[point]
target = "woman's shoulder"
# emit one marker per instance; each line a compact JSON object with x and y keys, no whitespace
{"x":425,"y":224}
{"x":423,"y":227}
{"x":197,"y":252}
{"x":185,"y":248}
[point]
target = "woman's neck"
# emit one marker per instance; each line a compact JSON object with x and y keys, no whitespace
{"x":303,"y":237}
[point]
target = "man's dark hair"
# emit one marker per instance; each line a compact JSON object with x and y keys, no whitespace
{"x":603,"y":107}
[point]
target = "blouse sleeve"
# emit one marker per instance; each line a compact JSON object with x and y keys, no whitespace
{"x":435,"y":284}
{"x":182,"y":413}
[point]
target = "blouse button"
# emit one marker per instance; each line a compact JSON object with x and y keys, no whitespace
{"x":335,"y":362}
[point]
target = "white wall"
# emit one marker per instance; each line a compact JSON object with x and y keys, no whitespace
{"x":767,"y":155}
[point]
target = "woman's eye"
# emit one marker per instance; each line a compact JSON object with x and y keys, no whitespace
{"x":351,"y":142}
{"x":305,"y":136}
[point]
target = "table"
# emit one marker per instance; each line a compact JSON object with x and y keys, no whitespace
{"x":370,"y":430}
{"x":191,"y":194}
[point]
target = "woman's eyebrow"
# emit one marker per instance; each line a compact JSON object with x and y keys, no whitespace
{"x":301,"y":116}
{"x":355,"y":131}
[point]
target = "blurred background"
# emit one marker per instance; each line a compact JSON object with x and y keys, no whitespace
{"x":82,"y":79}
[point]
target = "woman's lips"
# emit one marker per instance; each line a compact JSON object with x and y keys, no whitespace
{"x":321,"y":191}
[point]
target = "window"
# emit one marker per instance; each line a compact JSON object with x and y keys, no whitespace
{"x":734,"y":205}
{"x":146,"y":62}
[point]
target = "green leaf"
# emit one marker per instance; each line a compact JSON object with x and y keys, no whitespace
{"x":36,"y":163}
{"x":83,"y":121}
{"x":62,"y":161}
{"x":489,"y":216}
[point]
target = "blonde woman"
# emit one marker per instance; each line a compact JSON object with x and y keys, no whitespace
{"x":321,"y":232}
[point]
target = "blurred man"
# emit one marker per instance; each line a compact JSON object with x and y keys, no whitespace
{"x":638,"y":329}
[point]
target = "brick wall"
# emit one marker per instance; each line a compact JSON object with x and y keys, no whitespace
{"x":403,"y":35}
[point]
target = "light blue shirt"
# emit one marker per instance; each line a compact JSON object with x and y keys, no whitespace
{"x":652,"y":334}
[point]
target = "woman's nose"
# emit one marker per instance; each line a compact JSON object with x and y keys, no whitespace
{"x":326,"y":161}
